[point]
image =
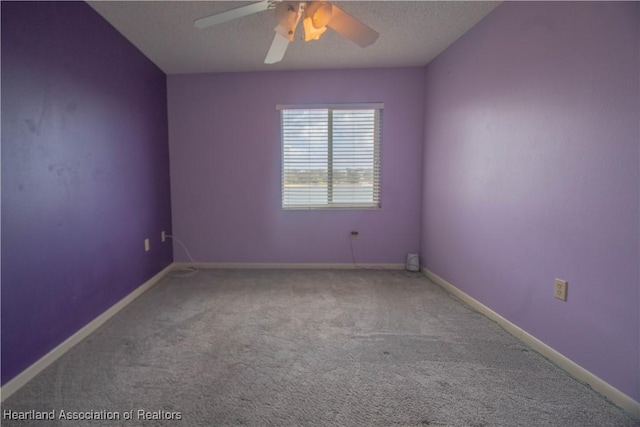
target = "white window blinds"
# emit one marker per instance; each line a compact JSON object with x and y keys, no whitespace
{"x":331,"y":157}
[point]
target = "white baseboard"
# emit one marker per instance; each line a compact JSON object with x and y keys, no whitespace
{"x":28,"y":374}
{"x":607,"y":390}
{"x":291,"y":266}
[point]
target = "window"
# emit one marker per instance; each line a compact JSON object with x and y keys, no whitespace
{"x":331,"y":156}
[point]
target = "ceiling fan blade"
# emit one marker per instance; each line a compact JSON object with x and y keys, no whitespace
{"x":278,"y":48}
{"x":349,"y":27}
{"x":232,"y":14}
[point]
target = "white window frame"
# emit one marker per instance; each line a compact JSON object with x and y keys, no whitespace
{"x":377,"y":152}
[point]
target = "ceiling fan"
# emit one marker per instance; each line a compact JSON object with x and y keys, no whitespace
{"x":318,"y":16}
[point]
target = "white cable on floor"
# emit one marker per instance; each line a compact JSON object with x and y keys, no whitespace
{"x":188,"y":271}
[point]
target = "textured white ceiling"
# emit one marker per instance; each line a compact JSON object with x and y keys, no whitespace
{"x":412,"y":33}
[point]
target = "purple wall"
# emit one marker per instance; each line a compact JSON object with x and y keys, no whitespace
{"x":224,"y":137}
{"x":531,"y":172}
{"x":85,"y":174}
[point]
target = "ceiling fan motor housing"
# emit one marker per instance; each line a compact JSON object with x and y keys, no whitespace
{"x":288,"y":15}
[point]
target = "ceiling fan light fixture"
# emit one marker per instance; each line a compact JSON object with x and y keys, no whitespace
{"x":320,"y":13}
{"x":311,"y":32}
{"x":317,"y":16}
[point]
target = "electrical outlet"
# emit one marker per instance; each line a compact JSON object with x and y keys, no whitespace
{"x":560,"y":290}
{"x":355,"y":234}
{"x":146,"y":245}
{"x":163,"y":236}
